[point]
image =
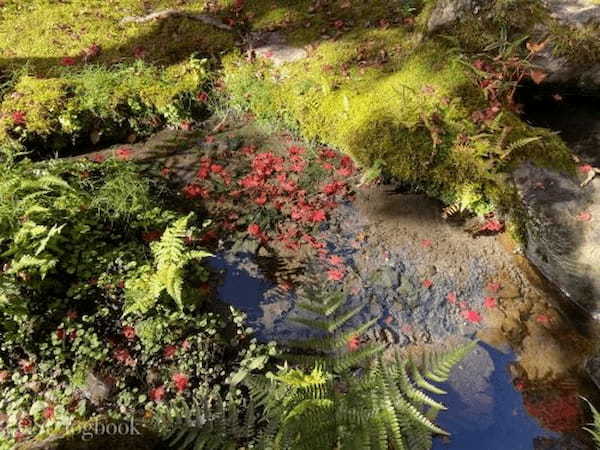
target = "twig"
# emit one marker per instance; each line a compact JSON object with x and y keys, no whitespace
{"x":591,"y":173}
{"x":164,"y":14}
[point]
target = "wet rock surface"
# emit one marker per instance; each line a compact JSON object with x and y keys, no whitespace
{"x":564,"y":225}
{"x":563,"y":232}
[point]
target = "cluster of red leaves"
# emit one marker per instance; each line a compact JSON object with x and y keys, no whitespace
{"x":466,"y":312}
{"x":556,"y":410}
{"x":277,"y":199}
{"x":492,"y":226}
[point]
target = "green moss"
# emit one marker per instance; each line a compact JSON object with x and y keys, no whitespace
{"x":131,"y":98}
{"x":41,"y":32}
{"x":410,"y":108}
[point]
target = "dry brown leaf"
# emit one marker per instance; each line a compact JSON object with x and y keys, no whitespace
{"x":538,"y":76}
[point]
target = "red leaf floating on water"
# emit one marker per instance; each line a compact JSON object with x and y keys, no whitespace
{"x":493,"y":286}
{"x":452,"y":297}
{"x":335,"y":274}
{"x":584,"y":216}
{"x":489,"y":302}
{"x":335,"y":260}
{"x":471,"y":316}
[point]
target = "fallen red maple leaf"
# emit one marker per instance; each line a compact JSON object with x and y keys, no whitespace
{"x":584,"y":216}
{"x":471,"y":316}
{"x":492,"y":225}
{"x":489,"y":302}
{"x":335,"y":274}
{"x":427,"y":283}
{"x":452,"y":297}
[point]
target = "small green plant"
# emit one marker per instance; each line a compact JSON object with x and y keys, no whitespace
{"x":167,"y":274}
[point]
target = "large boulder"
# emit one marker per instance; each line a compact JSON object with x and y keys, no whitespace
{"x":564,"y":232}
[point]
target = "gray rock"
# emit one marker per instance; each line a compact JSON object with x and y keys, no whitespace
{"x":273,"y":46}
{"x":565,"y":249}
{"x":96,"y":389}
{"x":575,"y":12}
{"x":448,"y":11}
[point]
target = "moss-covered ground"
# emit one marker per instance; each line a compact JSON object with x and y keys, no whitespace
{"x":432,"y":109}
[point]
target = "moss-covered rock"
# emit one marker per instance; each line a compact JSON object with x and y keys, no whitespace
{"x":385,"y":95}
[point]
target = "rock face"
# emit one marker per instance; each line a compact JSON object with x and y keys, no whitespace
{"x":448,"y":11}
{"x":564,"y":232}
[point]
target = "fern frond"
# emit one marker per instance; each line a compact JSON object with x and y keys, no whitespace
{"x":439,"y":366}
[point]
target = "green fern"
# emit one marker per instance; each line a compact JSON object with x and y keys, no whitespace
{"x":594,"y":427}
{"x":329,"y":394}
{"x":167,"y":273}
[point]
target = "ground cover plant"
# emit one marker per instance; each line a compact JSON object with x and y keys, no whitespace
{"x":102,"y":315}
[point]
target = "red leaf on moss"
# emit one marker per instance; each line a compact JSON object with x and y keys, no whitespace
{"x":157,"y":394}
{"x":538,"y":76}
{"x":254,"y":229}
{"x":48,"y":412}
{"x":129,"y":332}
{"x":18,"y":118}
{"x":543,"y":319}
{"x":193,"y":191}
{"x":180,"y":380}
{"x":68,"y":61}
{"x":169,"y":351}
{"x":97,"y":158}
{"x":124,"y":153}
{"x":353,"y":343}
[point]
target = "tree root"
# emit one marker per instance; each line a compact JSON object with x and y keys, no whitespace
{"x":164,"y":14}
